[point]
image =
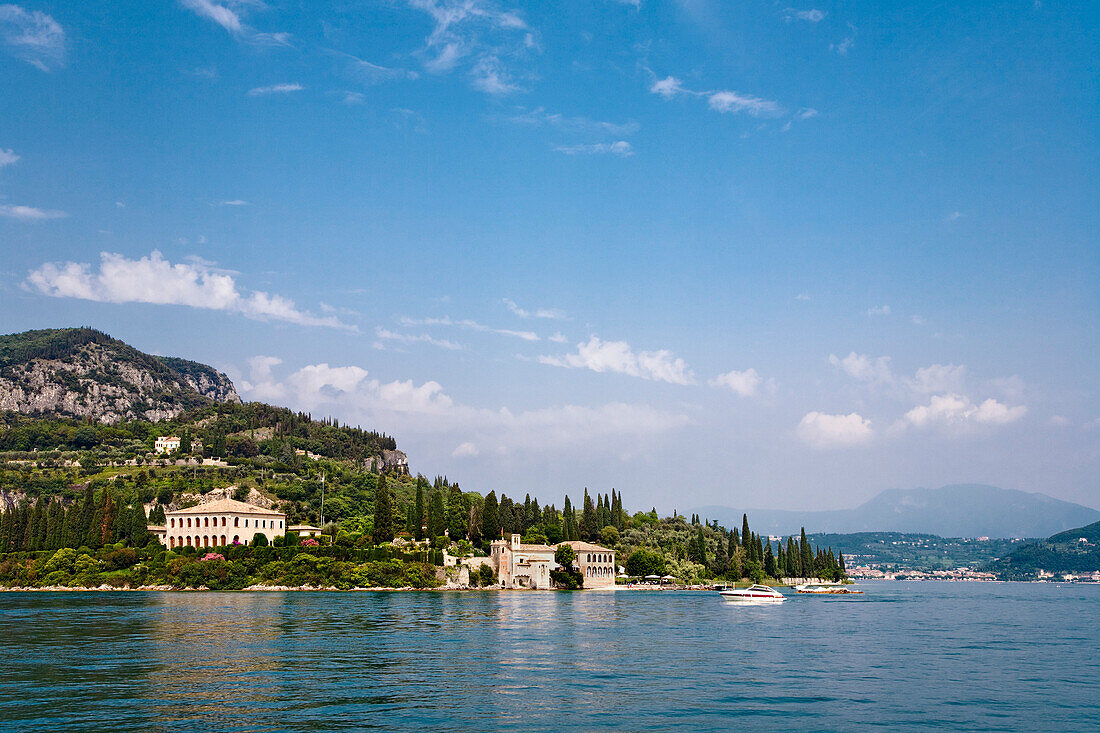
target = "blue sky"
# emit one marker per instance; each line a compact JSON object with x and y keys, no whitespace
{"x":756,"y":254}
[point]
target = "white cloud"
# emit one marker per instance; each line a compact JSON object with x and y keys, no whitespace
{"x":668,"y":87}
{"x":807,"y":113}
{"x":235,"y":202}
{"x":954,"y":410}
{"x":743,"y":383}
{"x":465,"y":450}
{"x":219,"y":14}
{"x":618,"y":357}
{"x":810,"y":16}
{"x":551,"y":313}
{"x":32,"y":36}
{"x":478,"y":31}
{"x":228,"y":15}
{"x":734,"y":102}
{"x":367,"y":73}
{"x":824,"y":431}
{"x":620,"y":148}
{"x":938,"y":378}
{"x":7,"y":157}
{"x":864,"y":368}
{"x":844,"y":46}
{"x":29,"y":213}
{"x":557,"y":338}
{"x":275,"y":89}
{"x":471,"y":325}
{"x":802,"y":296}
{"x":879,"y":310}
{"x":155,"y":280}
{"x":541,"y":117}
{"x":954,"y":216}
{"x":406,"y":338}
{"x":917,"y":320}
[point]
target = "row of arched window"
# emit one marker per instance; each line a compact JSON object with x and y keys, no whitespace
{"x":204,"y":541}
{"x":205,"y":522}
{"x":597,"y":572}
{"x":598,"y":557}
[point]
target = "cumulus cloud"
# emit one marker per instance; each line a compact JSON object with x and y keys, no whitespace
{"x":668,"y":87}
{"x":938,"y":378}
{"x":551,"y":313}
{"x":618,"y":357}
{"x":621,"y":148}
{"x":32,"y":36}
{"x":155,"y":280}
{"x":824,"y":431}
{"x":744,"y":383}
{"x":351,"y":393}
{"x":954,"y":410}
{"x":863,"y":368}
{"x":30,"y":213}
{"x":275,"y":89}
{"x":7,"y":157}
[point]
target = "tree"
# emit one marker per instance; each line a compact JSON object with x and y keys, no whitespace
{"x":770,"y":568}
{"x":420,"y":510}
{"x":807,"y":556}
{"x":437,"y":518}
{"x":720,"y":565}
{"x":139,"y":526}
{"x":457,"y":513}
{"x":259,"y":540}
{"x":185,"y":441}
{"x":588,"y":519}
{"x":569,"y":522}
{"x":383,"y":512}
{"x":697,"y":548}
{"x":746,"y":535}
{"x":490,"y":517}
{"x":566,"y":576}
{"x":644,"y":561}
{"x":609,"y":536}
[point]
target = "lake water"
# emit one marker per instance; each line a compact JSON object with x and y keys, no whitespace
{"x":905,"y":656}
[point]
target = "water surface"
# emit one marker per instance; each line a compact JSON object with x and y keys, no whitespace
{"x":905,"y":656}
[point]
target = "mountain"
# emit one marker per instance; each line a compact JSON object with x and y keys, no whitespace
{"x":84,"y":373}
{"x":962,"y":510}
{"x":1073,"y":551}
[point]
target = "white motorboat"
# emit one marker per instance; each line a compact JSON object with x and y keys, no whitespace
{"x":753,"y":594}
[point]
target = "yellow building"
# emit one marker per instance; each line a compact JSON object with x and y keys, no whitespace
{"x":221,"y":522}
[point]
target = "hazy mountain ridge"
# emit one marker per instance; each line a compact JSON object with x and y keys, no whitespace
{"x":84,"y":373}
{"x":961,"y":510}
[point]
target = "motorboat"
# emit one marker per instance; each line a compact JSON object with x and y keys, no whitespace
{"x":753,"y":594}
{"x":835,"y":589}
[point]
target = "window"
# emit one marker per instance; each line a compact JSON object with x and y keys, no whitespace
{"x":236,"y":521}
{"x":189,"y":541}
{"x":223,"y":540}
{"x":189,"y":521}
{"x":172,"y":522}
{"x":223,"y":524}
{"x":280,"y":524}
{"x":246,"y":522}
{"x":206,"y":522}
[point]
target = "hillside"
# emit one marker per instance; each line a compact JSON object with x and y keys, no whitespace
{"x":84,"y":373}
{"x":1073,"y":551}
{"x":963,"y":510}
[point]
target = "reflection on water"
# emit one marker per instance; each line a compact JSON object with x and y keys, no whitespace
{"x":956,"y":656}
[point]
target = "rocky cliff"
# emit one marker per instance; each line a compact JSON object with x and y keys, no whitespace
{"x":84,"y":373}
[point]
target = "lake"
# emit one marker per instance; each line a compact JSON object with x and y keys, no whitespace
{"x":904,"y":656}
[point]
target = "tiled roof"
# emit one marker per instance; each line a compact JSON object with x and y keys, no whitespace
{"x":532,"y":548}
{"x":226,"y":506}
{"x":580,"y":546}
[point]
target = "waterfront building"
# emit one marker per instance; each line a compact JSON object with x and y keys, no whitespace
{"x":222,"y":522}
{"x":521,"y":565}
{"x":305,"y":530}
{"x":595,"y":563}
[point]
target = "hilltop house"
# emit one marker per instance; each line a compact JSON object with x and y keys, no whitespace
{"x":520,"y":565}
{"x":221,"y":522}
{"x":171,"y":444}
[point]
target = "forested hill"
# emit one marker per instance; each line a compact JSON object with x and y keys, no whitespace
{"x":1073,"y":551}
{"x":84,"y":373}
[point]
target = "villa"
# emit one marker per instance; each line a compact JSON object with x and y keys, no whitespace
{"x":520,"y":565}
{"x":221,"y":522}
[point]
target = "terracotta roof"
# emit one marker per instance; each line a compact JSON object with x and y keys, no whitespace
{"x":532,"y":548}
{"x":226,"y":506}
{"x":580,"y":546}
{"x":296,"y":527}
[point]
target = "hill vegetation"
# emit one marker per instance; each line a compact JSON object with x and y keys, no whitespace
{"x":1071,"y":552}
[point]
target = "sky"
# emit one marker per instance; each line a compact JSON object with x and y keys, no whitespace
{"x":751,"y":254}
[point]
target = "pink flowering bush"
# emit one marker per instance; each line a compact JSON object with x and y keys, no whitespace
{"x":211,"y":556}
{"x":309,"y":542}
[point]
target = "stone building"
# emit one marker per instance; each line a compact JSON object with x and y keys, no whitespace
{"x":595,"y":563}
{"x":221,"y":522}
{"x":522,"y":566}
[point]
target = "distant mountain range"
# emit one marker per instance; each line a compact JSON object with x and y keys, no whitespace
{"x":962,"y":510}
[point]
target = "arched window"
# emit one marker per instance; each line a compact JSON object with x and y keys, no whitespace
{"x":172,"y":522}
{"x":223,"y":521}
{"x":171,"y":541}
{"x":206,"y":521}
{"x":188,"y":540}
{"x":206,"y":541}
{"x":189,"y":521}
{"x":236,"y":521}
{"x":223,"y":540}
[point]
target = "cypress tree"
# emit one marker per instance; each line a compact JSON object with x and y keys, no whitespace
{"x":569,"y":524}
{"x":437,"y":518}
{"x":156,"y":517}
{"x":506,"y":512}
{"x":721,"y":557}
{"x":475,"y":524}
{"x":770,"y":567}
{"x":759,"y":550}
{"x":490,"y":517}
{"x":746,"y":535}
{"x":840,"y":564}
{"x":383,"y":512}
{"x":457,"y":513}
{"x":420,"y":509}
{"x":697,"y":549}
{"x":139,"y":526}
{"x":589,"y":530}
{"x":806,"y":555}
